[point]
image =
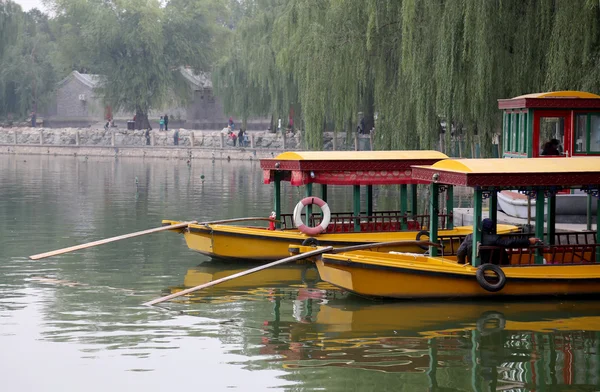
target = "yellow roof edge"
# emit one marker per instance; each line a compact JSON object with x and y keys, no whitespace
{"x":360,"y":155}
{"x":560,"y":94}
{"x":519,"y":165}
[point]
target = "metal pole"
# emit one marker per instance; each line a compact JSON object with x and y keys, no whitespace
{"x":588,"y":215}
{"x":277,"y":201}
{"x":433,"y":217}
{"x":369,"y":200}
{"x":539,"y":221}
{"x":309,"y":209}
{"x":551,"y":219}
{"x":356,"y":202}
{"x":450,"y":207}
{"x":324,"y":192}
{"x":404,"y":205}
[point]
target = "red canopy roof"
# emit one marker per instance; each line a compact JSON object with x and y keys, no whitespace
{"x":347,"y":167}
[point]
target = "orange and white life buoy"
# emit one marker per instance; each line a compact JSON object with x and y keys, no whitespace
{"x":298,"y":216}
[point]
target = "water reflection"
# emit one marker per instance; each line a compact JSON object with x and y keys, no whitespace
{"x":482,"y":346}
{"x":283,"y":329}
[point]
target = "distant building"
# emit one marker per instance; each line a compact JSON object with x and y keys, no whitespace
{"x":76,"y":104}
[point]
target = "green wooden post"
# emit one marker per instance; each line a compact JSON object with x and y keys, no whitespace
{"x":324,"y":192}
{"x":309,"y":209}
{"x":433,"y":360}
{"x":598,"y":228}
{"x":277,"y":200}
{"x":539,"y":221}
{"x":433,"y":217}
{"x":404,"y":205}
{"x":551,"y":218}
{"x":356,"y":212}
{"x":529,"y":138}
{"x":369,"y":200}
{"x":450,"y":207}
{"x":413,"y":201}
{"x":475,"y":359}
{"x":588,"y":212}
{"x":477,"y":211}
{"x":494,"y":208}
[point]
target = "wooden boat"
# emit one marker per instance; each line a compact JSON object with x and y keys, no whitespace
{"x":516,"y":204}
{"x":530,"y":121}
{"x":349,"y":168}
{"x":560,"y":267}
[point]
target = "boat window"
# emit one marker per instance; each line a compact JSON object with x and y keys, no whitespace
{"x":506,"y":142}
{"x":515,"y":132}
{"x":595,"y":133}
{"x":581,"y":133}
{"x":552,"y":128}
{"x":523,"y":130}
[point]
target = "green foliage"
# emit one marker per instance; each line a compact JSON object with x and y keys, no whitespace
{"x":27,"y":76}
{"x":417,"y":63}
{"x":138,"y":45}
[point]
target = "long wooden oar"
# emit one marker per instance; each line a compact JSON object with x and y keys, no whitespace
{"x":239,"y":274}
{"x":136,"y":234}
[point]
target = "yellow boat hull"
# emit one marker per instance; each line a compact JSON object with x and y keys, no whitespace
{"x":379,"y":274}
{"x":260,"y":244}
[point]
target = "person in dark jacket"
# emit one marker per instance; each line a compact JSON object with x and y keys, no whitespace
{"x":490,"y":238}
{"x":166,"y":119}
{"x":551,"y":147}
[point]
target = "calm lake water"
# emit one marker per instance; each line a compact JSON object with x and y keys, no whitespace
{"x":75,"y":322}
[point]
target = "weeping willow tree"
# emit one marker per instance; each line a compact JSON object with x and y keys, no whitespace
{"x":27,"y":75}
{"x":139,"y":46}
{"x":247,"y":78}
{"x":424,"y":66}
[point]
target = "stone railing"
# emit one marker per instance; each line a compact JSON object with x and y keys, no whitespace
{"x":85,"y":137}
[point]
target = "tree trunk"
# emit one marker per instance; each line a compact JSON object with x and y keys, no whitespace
{"x":141,"y":119}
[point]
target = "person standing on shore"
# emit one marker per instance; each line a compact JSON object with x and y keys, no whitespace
{"x":166,"y":119}
{"x":176,"y":138}
{"x":161,"y":123}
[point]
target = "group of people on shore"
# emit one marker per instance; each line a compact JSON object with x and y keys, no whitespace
{"x":241,"y":136}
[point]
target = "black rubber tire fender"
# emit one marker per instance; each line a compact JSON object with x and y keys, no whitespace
{"x":418,"y":238}
{"x":491,"y":287}
{"x":310,"y":241}
{"x":491,"y":316}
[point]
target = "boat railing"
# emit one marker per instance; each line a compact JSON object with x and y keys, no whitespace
{"x":380,"y":221}
{"x":451,"y":243}
{"x":551,"y":254}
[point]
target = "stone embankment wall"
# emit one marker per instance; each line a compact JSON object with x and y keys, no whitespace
{"x":192,"y":144}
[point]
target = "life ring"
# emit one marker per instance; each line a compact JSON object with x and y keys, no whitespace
{"x":418,"y":238}
{"x":298,"y":216}
{"x":483,"y":282}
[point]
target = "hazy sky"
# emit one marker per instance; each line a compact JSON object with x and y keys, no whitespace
{"x":29,"y":4}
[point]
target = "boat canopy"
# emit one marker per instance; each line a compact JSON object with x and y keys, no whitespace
{"x":526,"y":172}
{"x":347,"y":167}
{"x":552,"y":100}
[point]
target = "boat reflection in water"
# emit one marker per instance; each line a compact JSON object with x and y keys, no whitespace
{"x":317,"y":333}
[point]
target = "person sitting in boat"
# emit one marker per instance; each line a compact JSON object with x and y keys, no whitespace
{"x":551,"y":147}
{"x":490,"y":238}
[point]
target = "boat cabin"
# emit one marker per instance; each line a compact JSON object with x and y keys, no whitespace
{"x":355,"y":169}
{"x":572,"y":118}
{"x":541,"y":179}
